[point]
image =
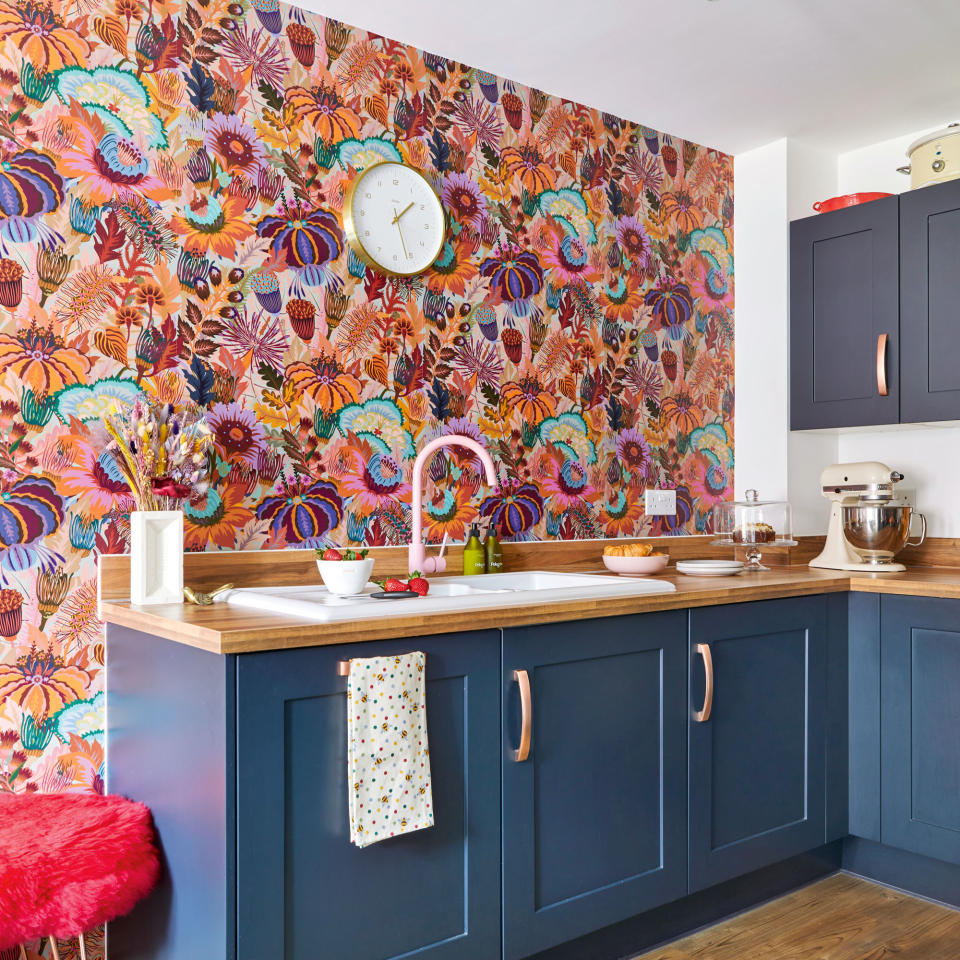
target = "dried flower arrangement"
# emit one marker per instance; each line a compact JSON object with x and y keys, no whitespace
{"x":162,"y":451}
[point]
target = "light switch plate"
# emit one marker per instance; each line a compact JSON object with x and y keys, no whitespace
{"x":660,"y":503}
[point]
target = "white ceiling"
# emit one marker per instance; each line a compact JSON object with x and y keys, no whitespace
{"x":732,"y":74}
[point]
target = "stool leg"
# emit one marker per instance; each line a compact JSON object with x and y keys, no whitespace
{"x":23,"y":953}
{"x":83,"y":948}
{"x":54,"y":952}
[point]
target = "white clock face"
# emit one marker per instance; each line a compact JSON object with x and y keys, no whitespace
{"x":396,"y":219}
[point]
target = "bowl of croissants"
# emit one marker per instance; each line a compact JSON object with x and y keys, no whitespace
{"x":633,"y":559}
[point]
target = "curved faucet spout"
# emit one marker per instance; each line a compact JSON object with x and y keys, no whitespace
{"x":417,"y":558}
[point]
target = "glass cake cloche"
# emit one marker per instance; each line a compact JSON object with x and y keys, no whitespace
{"x":754,"y":524}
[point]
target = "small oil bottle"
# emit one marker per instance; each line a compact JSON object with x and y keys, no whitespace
{"x":493,"y":551}
{"x":474,"y":557}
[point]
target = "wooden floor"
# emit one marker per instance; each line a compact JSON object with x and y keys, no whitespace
{"x":840,"y":918}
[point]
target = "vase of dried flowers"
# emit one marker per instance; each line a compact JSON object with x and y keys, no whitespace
{"x":164,"y":455}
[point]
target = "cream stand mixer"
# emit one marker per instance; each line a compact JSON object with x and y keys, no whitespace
{"x":867,"y":525}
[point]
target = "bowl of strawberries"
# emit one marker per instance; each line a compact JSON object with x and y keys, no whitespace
{"x":344,"y":573}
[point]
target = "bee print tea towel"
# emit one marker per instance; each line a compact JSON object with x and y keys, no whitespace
{"x":388,"y":759}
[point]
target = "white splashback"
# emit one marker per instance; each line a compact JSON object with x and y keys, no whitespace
{"x":928,"y":456}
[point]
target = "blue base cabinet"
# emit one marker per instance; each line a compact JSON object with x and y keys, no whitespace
{"x":303,"y":890}
{"x":594,"y":820}
{"x":920,"y":726}
{"x":757,"y":764}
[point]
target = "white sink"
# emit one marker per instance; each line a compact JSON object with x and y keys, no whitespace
{"x":447,"y":594}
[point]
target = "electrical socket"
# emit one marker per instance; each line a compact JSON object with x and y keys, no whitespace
{"x":660,"y":503}
{"x":906,"y":493}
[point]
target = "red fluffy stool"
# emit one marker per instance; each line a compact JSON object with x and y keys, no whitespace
{"x":70,"y":862}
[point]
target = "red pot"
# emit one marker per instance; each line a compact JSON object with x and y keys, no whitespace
{"x":847,"y":200}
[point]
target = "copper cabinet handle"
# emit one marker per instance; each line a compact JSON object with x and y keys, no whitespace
{"x":526,"y":715}
{"x":702,"y":716}
{"x":882,"y":365}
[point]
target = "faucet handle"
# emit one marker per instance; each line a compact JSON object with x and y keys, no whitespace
{"x":440,"y":561}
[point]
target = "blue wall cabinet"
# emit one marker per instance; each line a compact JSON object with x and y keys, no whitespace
{"x":304,"y":892}
{"x":929,"y":293}
{"x":756,"y":777}
{"x":843,"y":298}
{"x":594,"y":817}
{"x":920,"y":725}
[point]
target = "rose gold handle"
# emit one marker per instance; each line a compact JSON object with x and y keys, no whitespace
{"x":702,"y":716}
{"x":882,"y":365}
{"x":526,"y":715}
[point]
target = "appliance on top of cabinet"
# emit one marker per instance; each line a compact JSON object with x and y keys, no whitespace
{"x":934,"y":158}
{"x":867,"y":526}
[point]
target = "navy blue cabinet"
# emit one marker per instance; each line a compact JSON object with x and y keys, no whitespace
{"x":594,"y":817}
{"x":844,"y":317}
{"x":929,"y":294}
{"x":920,"y":725}
{"x":757,"y":763}
{"x":304,"y":892}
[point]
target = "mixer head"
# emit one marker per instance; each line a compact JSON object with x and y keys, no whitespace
{"x":866,"y":480}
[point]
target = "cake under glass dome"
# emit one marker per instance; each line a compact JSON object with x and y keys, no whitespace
{"x":754,"y":524}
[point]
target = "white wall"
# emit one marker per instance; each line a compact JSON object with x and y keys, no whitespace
{"x":760,"y":254}
{"x":772,"y":184}
{"x":929,"y":459}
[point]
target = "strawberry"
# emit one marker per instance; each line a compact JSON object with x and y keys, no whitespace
{"x":332,"y":554}
{"x":393,"y":585}
{"x":418,"y":584}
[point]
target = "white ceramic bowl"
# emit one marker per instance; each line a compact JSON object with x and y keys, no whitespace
{"x":345,"y":578}
{"x":635,"y":566}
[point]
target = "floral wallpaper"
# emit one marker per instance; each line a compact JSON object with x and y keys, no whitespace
{"x":172,"y":177}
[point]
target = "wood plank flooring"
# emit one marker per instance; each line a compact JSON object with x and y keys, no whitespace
{"x":839,"y":918}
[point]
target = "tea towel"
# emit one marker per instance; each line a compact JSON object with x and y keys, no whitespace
{"x":388,"y":757}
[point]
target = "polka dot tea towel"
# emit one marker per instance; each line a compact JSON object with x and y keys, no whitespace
{"x":388,"y":759}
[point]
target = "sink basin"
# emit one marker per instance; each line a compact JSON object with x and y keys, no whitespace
{"x":447,"y":594}
{"x":450,"y":587}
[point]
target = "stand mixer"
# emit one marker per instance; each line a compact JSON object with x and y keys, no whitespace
{"x":867,"y":525}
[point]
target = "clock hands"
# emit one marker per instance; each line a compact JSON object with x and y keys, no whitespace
{"x":396,"y":220}
{"x":397,"y":216}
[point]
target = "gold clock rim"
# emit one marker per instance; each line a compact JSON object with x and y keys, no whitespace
{"x":353,"y":238}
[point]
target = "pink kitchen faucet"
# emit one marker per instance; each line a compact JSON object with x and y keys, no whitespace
{"x":417,"y":558}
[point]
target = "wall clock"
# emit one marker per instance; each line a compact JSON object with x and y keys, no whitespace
{"x":393,"y":219}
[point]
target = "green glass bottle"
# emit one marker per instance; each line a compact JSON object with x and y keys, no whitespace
{"x":474,"y":557}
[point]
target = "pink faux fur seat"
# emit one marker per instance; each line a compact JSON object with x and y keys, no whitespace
{"x":70,"y":862}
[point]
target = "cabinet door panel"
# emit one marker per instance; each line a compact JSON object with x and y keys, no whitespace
{"x":921,"y":726}
{"x":593,"y":821}
{"x":756,"y":778}
{"x":843,"y":296}
{"x":929,"y":298}
{"x":304,"y":890}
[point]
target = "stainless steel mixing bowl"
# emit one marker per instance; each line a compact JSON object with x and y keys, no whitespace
{"x":879,"y":529}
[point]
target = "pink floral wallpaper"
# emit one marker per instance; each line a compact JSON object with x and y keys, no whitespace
{"x":172,"y":176}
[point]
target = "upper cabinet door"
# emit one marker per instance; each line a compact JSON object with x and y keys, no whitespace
{"x":758,"y":751}
{"x":304,"y":891}
{"x":930,"y":303}
{"x":844,"y":304}
{"x":594,"y":810}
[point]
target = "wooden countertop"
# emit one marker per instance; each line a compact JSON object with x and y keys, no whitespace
{"x":223,"y":629}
